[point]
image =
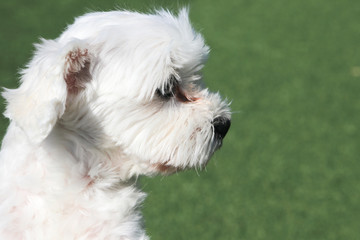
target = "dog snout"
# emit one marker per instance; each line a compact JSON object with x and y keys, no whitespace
{"x":221,"y":126}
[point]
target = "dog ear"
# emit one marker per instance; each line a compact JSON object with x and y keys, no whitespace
{"x":55,"y":72}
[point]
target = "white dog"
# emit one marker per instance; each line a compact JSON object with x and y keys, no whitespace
{"x":117,"y":95}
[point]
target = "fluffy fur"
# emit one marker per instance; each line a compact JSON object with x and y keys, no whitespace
{"x":117,"y":95}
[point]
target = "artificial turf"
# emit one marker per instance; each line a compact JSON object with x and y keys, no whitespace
{"x":289,"y":167}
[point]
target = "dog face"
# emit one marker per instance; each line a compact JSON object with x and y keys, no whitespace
{"x":125,"y":81}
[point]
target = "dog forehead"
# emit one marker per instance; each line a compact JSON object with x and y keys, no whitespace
{"x":139,"y":51}
{"x":127,"y":25}
{"x":115,"y":27}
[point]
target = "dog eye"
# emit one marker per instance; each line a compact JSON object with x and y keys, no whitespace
{"x":169,"y":89}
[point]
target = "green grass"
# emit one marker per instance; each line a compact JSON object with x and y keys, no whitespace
{"x":289,"y":167}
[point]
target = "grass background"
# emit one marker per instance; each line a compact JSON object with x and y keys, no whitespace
{"x":289,"y":167}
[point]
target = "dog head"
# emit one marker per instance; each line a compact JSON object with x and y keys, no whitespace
{"x":128,"y":81}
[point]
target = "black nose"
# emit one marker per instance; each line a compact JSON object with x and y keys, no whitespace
{"x":221,"y":126}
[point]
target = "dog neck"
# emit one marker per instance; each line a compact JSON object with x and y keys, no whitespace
{"x":70,"y":170}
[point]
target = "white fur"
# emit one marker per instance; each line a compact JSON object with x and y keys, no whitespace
{"x":86,"y":121}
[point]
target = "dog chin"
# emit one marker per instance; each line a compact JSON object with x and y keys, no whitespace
{"x":167,"y":168}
